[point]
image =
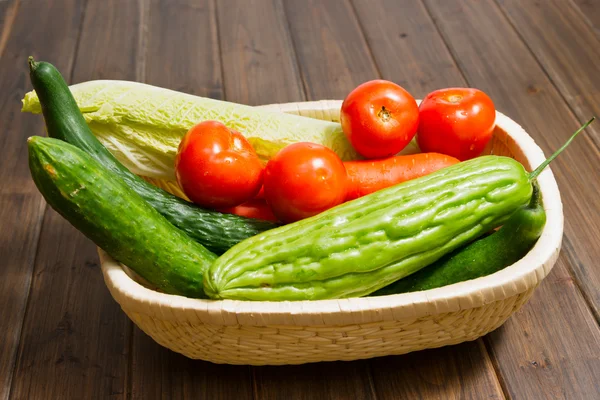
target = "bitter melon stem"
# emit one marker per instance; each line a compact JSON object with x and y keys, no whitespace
{"x":543,"y":165}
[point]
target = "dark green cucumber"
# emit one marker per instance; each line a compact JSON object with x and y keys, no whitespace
{"x":482,"y":257}
{"x":217,"y":231}
{"x":116,"y":219}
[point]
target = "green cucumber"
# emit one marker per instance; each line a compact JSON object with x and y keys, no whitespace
{"x":116,"y":219}
{"x":215,"y":230}
{"x":484,"y":256}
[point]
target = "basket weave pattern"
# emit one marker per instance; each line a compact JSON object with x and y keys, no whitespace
{"x":275,"y":333}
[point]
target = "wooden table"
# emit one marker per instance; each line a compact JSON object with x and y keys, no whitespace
{"x":64,"y":337}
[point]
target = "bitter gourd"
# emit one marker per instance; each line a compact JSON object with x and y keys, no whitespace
{"x":363,"y":245}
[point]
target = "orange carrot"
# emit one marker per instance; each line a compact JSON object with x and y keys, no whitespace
{"x":253,"y":208}
{"x":368,"y":176}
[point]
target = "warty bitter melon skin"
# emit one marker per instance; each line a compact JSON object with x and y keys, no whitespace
{"x":360,"y":246}
{"x":115,"y":218}
{"x":482,"y":257}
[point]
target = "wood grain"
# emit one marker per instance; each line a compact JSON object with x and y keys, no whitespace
{"x":21,"y":216}
{"x":549,"y":350}
{"x":28,"y":29}
{"x":163,"y":374}
{"x":8,"y":12}
{"x":191,"y":66}
{"x":396,"y":32}
{"x":313,"y":381}
{"x":75,"y":341}
{"x":181,"y":50}
{"x":463,"y":371}
{"x":109,"y":43}
{"x":525,"y":93}
{"x":259,"y":64}
{"x":332,"y":52}
{"x":75,"y":338}
{"x":590,"y":11}
{"x":550,"y":29}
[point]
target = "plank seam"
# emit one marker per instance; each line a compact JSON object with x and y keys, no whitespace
{"x":142,"y":40}
{"x":28,"y":297}
{"x":219,"y":46}
{"x":586,"y":298}
{"x":362,"y":30}
{"x":255,"y":395}
{"x":369,"y":372}
{"x":589,"y":138}
{"x":295,"y":51}
{"x":489,"y":348}
{"x":489,"y":352}
{"x":446,"y":44}
{"x":128,"y":393}
{"x":290,"y":42}
{"x":583,"y":16}
{"x":9,"y":26}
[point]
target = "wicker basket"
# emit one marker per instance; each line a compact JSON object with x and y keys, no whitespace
{"x":275,"y":333}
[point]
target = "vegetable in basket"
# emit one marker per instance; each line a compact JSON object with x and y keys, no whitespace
{"x":217,"y":231}
{"x":368,"y":176}
{"x":363,"y":245}
{"x":114,"y":217}
{"x":481,"y":257}
{"x":142,"y":125}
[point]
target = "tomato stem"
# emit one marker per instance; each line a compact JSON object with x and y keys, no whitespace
{"x":384,"y":114}
{"x":543,"y":165}
{"x":455,"y":98}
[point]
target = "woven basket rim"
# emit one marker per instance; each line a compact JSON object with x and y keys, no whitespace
{"x":513,"y":280}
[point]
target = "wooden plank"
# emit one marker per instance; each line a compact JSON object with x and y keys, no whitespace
{"x":163,"y":374}
{"x":8,"y":12}
{"x":550,"y":33}
{"x":590,"y":11}
{"x":522,"y":91}
{"x":330,"y":380}
{"x":21,"y":215}
{"x":258,"y":64}
{"x":191,"y":66}
{"x":332,"y":52}
{"x":407,"y":46}
{"x":409,"y":51}
{"x":548,"y":353}
{"x":75,"y":341}
{"x":463,"y":371}
{"x":182,"y":51}
{"x":27,"y":29}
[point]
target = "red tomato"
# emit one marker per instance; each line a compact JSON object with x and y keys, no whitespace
{"x":379,"y":118}
{"x":302,"y":180}
{"x":217,"y":167}
{"x":458,"y":122}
